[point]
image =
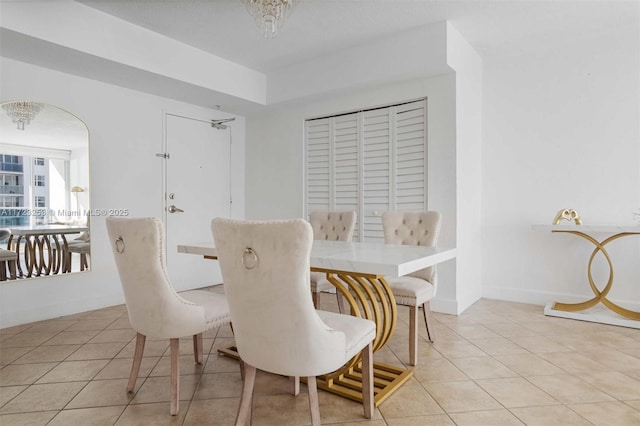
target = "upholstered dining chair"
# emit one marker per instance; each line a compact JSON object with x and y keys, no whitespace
{"x":332,"y":226}
{"x":155,"y":309}
{"x":83,"y":248}
{"x":276,"y":327}
{"x":417,"y":289}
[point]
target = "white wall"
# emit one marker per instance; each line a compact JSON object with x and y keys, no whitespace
{"x":468,"y":66}
{"x":561,"y":130}
{"x":275,"y":156}
{"x":125,"y":129}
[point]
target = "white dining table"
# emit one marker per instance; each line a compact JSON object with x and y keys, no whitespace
{"x":358,"y":271}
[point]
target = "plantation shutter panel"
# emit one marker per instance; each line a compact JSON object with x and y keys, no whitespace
{"x":369,"y":161}
{"x":411,"y":156}
{"x":376,"y":172}
{"x":318,"y":191}
{"x":346,"y":154}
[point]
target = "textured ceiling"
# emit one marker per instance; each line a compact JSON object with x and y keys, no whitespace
{"x":319,"y":27}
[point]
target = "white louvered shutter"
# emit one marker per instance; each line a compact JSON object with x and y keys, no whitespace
{"x":318,"y":182}
{"x":369,"y":161}
{"x":411,"y":157}
{"x":346,"y":153}
{"x":376,"y":172}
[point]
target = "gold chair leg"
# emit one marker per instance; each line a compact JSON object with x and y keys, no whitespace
{"x":314,"y":405}
{"x":137,"y":360}
{"x":175,"y":376}
{"x":246,"y":399}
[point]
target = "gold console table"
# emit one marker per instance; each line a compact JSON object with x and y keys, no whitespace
{"x":600,"y":296}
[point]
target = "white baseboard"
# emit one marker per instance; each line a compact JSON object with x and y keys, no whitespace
{"x":70,"y":307}
{"x":444,"y":306}
{"x":599,"y":313}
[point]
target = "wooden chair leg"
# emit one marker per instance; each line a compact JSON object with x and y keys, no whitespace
{"x":314,"y":404}
{"x":3,"y":271}
{"x":367,"y":380}
{"x":294,"y":385}
{"x":316,"y":298}
{"x":246,"y":399}
{"x":428,"y":321}
{"x":137,"y":360}
{"x":175,"y":376}
{"x":340,"y":299}
{"x":413,"y":335}
{"x":197,"y":348}
{"x":12,"y":269}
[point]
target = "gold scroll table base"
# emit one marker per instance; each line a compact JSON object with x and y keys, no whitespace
{"x":46,"y":254}
{"x":600,"y":296}
{"x":370,"y":297}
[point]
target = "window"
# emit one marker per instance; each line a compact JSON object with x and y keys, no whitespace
{"x":39,"y":180}
{"x":38,"y":161}
{"x":40,"y":201}
{"x":369,"y":161}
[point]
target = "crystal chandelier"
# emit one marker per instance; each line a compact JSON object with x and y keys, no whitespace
{"x":22,"y":113}
{"x":270,"y":14}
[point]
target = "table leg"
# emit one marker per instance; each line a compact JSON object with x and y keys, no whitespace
{"x":66,"y":255}
{"x":370,"y":297}
{"x":56,"y":261}
{"x":600,"y":296}
{"x":29,"y":254}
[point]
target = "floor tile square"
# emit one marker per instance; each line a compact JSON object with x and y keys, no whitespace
{"x":461,"y":396}
{"x":44,"y":397}
{"x":516,"y":392}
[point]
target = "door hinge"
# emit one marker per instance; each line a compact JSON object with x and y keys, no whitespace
{"x":164,"y":155}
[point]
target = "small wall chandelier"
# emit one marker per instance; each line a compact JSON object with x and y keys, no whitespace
{"x":22,"y":113}
{"x":270,"y":14}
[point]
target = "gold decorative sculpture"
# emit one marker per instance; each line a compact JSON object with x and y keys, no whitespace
{"x":567,"y":214}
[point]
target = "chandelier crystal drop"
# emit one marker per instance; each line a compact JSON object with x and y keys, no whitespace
{"x":22,"y":113}
{"x":270,"y":14}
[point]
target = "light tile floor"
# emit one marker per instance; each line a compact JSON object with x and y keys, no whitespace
{"x":499,"y":363}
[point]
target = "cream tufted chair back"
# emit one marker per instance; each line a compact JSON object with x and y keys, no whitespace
{"x":155,"y":309}
{"x":265,"y":269}
{"x":413,"y":229}
{"x":333,"y":226}
{"x":274,"y":322}
{"x":415,"y":290}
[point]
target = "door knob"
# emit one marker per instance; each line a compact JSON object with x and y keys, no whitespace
{"x":174,"y":209}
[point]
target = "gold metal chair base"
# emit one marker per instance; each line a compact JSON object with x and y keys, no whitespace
{"x":386,"y":379}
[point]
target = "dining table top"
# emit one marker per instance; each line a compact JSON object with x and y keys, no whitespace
{"x":47,"y":229}
{"x":361,"y":257}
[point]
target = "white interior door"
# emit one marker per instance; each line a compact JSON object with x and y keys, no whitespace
{"x":197,"y":189}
